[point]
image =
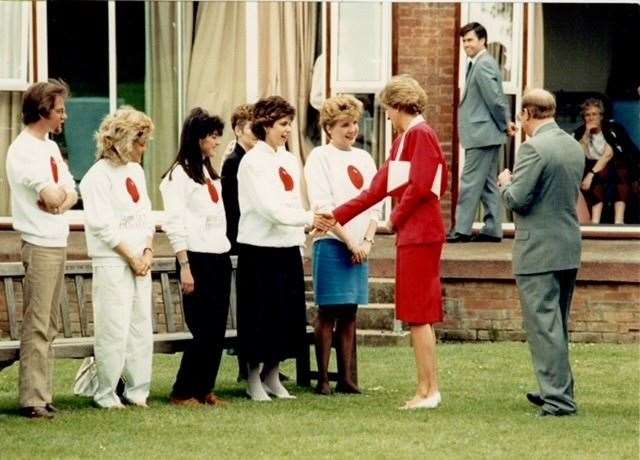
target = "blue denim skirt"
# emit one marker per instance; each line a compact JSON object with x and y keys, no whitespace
{"x":336,"y":280}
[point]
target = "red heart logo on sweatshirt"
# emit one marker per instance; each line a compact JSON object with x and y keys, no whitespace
{"x":213,"y":193}
{"x":132,"y":189}
{"x":286,"y":179}
{"x":355,"y":176}
{"x":54,"y":169}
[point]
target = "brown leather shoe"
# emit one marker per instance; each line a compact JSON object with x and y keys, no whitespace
{"x":189,"y":402}
{"x":40,"y":412}
{"x":213,"y":400}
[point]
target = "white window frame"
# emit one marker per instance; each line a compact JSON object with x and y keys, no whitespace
{"x":371,"y":86}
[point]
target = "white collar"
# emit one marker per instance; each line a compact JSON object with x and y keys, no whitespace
{"x":475,"y":58}
{"x":415,"y":122}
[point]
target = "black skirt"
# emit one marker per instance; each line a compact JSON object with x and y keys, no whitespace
{"x":271,"y":303}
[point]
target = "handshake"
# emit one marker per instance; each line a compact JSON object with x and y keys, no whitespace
{"x":323,"y":222}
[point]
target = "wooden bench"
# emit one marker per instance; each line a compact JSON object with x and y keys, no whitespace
{"x":170,"y":333}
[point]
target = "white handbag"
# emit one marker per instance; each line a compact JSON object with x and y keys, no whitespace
{"x":86,"y":383}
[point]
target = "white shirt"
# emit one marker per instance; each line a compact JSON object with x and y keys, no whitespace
{"x":117,"y":210}
{"x":271,"y":212}
{"x":32,"y":165}
{"x":194,"y":213}
{"x":334,"y":177}
{"x":595,"y":147}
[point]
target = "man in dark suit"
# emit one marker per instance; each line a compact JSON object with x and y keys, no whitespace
{"x":483,"y":124}
{"x":546,"y":253}
{"x":245,"y":140}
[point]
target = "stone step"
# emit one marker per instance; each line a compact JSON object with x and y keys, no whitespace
{"x":381,"y":290}
{"x":378,"y":338}
{"x":372,"y":316}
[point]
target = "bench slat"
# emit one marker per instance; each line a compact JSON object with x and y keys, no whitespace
{"x":11,"y":308}
{"x":84,"y":322}
{"x":169,"y":309}
{"x":65,"y":312}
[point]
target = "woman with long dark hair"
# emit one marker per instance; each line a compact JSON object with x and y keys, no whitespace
{"x":196,"y":226}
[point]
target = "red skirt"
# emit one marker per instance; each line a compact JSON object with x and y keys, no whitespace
{"x":418,"y":290}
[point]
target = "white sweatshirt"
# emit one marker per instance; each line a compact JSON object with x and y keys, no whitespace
{"x":334,"y":177}
{"x":32,"y":165}
{"x":116,"y":209}
{"x":271,"y":212}
{"x":194,"y":213}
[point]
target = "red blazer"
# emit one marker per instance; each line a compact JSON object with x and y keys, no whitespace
{"x":416,"y":216}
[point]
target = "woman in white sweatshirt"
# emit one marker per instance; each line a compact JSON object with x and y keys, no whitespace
{"x":196,"y":225}
{"x":119,"y":231}
{"x":270,"y":280}
{"x":335,"y":173}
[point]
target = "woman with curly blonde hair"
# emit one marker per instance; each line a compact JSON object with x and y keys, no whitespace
{"x":119,"y":231}
{"x":335,"y":173}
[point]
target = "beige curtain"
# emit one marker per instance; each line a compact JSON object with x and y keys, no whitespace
{"x":217,"y":70}
{"x":10,"y":125}
{"x":287,"y":37}
{"x":163,"y":94}
{"x":537,"y":74}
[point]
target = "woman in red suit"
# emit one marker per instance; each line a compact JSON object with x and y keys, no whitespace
{"x":417,"y":220}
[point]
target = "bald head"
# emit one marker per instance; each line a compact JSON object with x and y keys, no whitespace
{"x":540,"y":103}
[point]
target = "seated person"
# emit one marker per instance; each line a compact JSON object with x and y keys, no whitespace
{"x":609,"y":164}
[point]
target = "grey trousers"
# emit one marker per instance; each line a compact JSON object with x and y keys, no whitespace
{"x":43,"y":284}
{"x":479,"y":183}
{"x":546,"y":301}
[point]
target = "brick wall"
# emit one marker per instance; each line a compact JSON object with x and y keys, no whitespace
{"x":490,"y":310}
{"x":425,"y":47}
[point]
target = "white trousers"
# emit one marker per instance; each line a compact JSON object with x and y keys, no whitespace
{"x":123,"y":333}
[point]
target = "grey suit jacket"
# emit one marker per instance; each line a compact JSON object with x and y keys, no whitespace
{"x":543,"y":195}
{"x":483,"y":112}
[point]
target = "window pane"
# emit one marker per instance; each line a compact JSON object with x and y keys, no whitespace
{"x":131,"y":56}
{"x":359,"y":42}
{"x":78,"y":53}
{"x":13,"y":46}
{"x":497,"y":18}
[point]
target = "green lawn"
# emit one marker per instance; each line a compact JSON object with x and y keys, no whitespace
{"x":484,"y":414}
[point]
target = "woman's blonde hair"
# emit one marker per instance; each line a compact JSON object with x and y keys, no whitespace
{"x":119,"y":131}
{"x":338,"y":107}
{"x":404,"y":93}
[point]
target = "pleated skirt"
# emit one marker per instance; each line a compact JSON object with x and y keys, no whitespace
{"x":271,"y":306}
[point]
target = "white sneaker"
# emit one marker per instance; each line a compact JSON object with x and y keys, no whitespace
{"x":431,"y":402}
{"x":281,"y":394}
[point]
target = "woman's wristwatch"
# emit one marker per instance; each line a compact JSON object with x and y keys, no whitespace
{"x":369,"y":240}
{"x":184,"y":263}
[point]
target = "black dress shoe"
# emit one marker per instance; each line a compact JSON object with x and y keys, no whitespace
{"x":458,"y":238}
{"x":36,"y":412}
{"x":558,"y":413}
{"x":534,"y":398}
{"x":51,"y":408}
{"x":484,"y":238}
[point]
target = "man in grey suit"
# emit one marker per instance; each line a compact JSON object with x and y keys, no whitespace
{"x":546,"y":253}
{"x":483,"y":126}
